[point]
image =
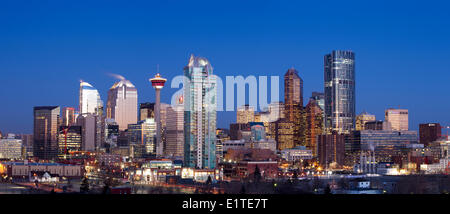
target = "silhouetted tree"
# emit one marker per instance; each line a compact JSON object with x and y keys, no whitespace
{"x":242,"y":189}
{"x":257,"y":174}
{"x":107,"y":186}
{"x":327,"y":189}
{"x":84,"y":188}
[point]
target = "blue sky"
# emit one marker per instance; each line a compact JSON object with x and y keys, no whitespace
{"x":46,"y":47}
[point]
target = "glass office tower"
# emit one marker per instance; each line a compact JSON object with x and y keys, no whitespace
{"x":199,"y":114}
{"x":339,"y":79}
{"x":46,"y":123}
{"x":90,"y":101}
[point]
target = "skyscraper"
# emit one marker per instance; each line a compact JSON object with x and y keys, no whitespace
{"x":68,"y":116}
{"x":293,"y":94}
{"x":90,"y":131}
{"x":46,"y":123}
{"x":429,"y":132}
{"x":122,"y":103}
{"x":339,"y":86}
{"x":143,"y":135}
{"x":397,"y":118}
{"x":314,"y":124}
{"x":146,"y":111}
{"x":175,"y":129}
{"x":90,"y":101}
{"x":319,"y":97}
{"x":199,"y":114}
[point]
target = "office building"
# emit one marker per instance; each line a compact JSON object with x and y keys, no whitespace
{"x":245,"y":114}
{"x":429,"y":132}
{"x":339,"y":90}
{"x":319,"y":97}
{"x":314,"y":125}
{"x":362,"y":119}
{"x":386,"y":144}
{"x":143,"y":136}
{"x":376,"y":125}
{"x":90,"y":131}
{"x":331,"y":149}
{"x":397,"y":119}
{"x":146,"y":111}
{"x":122,"y":103}
{"x":175,"y":130}
{"x":11,"y":148}
{"x":282,"y":131}
{"x":69,"y":140}
{"x":293,"y":94}
{"x":68,"y":116}
{"x":297,"y":153}
{"x":90,"y":101}
{"x":200,"y":96}
{"x":46,"y":123}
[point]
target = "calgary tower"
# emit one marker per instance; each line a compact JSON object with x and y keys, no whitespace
{"x":158,"y":83}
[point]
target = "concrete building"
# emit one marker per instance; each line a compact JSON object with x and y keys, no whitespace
{"x":11,"y":148}
{"x":362,"y":119}
{"x":397,"y":118}
{"x":90,"y":131}
{"x":245,"y":114}
{"x":297,"y":153}
{"x":25,"y":169}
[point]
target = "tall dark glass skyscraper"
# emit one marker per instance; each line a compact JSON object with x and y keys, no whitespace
{"x":339,"y":79}
{"x":46,"y":123}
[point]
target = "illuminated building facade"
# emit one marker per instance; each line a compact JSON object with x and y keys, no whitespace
{"x":384,"y":143}
{"x":90,"y":101}
{"x":293,"y":94}
{"x":339,"y":89}
{"x":283,"y":133}
{"x":331,"y":149}
{"x":68,"y":116}
{"x":319,"y":97}
{"x":11,"y":148}
{"x":146,"y":111}
{"x":245,"y":114}
{"x":143,"y":134}
{"x":397,"y":118}
{"x":69,"y":140}
{"x":200,"y":96}
{"x":314,"y":125}
{"x":122,"y":103}
{"x":362,"y":119}
{"x":46,"y":123}
{"x":175,"y":130}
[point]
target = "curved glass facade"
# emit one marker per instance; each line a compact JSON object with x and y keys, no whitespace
{"x":339,"y":79}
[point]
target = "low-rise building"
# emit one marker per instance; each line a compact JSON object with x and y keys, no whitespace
{"x":296,"y":153}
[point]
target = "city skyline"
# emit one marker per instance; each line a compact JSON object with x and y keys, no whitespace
{"x":392,"y":54}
